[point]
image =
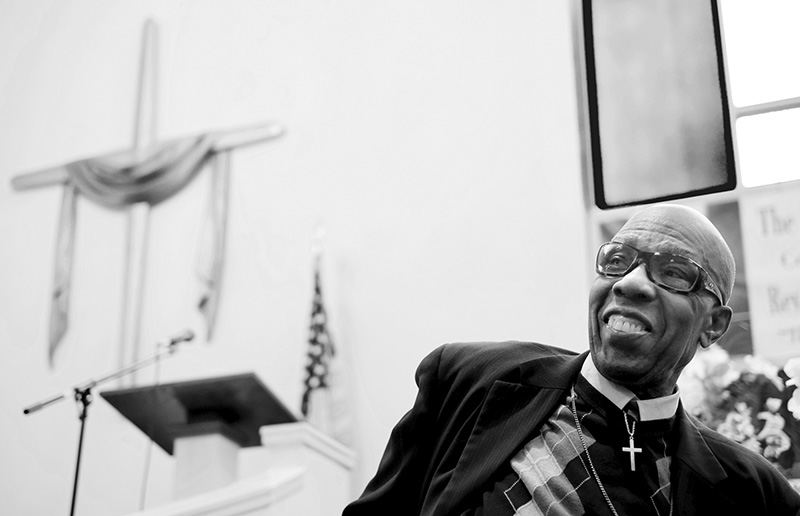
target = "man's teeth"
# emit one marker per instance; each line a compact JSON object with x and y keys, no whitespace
{"x":623,"y":324}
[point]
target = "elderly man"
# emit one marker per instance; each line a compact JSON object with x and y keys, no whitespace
{"x":524,"y":428}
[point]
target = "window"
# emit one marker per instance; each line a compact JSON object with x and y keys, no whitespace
{"x":761,"y":41}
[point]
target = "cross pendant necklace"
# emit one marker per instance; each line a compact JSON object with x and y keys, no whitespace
{"x":631,"y":448}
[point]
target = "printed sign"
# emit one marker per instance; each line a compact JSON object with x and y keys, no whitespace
{"x":771,"y":232}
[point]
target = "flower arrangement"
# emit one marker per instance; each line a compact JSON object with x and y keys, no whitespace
{"x":749,"y":400}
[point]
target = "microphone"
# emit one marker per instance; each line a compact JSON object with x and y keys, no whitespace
{"x":184,"y":336}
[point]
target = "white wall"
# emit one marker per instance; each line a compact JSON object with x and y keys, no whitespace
{"x":436,"y":142}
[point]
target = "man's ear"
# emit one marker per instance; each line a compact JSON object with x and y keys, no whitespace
{"x":717,"y":324}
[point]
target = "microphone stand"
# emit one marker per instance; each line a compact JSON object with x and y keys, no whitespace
{"x":83,"y":395}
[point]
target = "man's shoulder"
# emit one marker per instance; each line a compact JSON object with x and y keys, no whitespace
{"x":511,"y":350}
{"x":741,"y":477}
{"x":463,"y":373}
{"x":492,"y":360}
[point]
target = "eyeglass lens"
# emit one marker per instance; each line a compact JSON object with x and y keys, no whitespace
{"x":668,"y":270}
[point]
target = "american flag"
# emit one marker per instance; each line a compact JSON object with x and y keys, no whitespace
{"x":320,"y":349}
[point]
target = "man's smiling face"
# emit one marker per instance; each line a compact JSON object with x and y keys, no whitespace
{"x":641,"y":335}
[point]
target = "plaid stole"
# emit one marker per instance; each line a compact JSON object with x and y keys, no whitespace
{"x":551,"y":474}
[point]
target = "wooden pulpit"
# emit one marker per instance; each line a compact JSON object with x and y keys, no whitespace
{"x":202,"y":423}
{"x":288,"y":467}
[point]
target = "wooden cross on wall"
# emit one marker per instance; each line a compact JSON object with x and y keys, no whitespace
{"x":135,"y":180}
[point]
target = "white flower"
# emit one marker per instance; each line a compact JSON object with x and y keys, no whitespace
{"x":794,"y":404}
{"x":704,"y":378}
{"x":758,"y":365}
{"x":792,"y":370}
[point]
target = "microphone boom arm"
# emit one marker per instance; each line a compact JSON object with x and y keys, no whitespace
{"x":90,"y":384}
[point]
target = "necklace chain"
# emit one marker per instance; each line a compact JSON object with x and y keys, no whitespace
{"x":589,"y":457}
{"x":632,"y":428}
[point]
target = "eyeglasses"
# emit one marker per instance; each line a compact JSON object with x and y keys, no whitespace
{"x":669,"y":271}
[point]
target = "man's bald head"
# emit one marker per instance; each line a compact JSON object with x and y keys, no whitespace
{"x":689,"y":233}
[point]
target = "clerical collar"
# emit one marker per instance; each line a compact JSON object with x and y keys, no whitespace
{"x":651,"y":409}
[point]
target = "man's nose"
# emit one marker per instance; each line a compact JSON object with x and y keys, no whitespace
{"x":635,"y":284}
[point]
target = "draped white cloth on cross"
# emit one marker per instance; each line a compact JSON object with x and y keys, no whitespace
{"x":151,"y":175}
{"x":62,"y":274}
{"x":123,"y":178}
{"x":211,"y":256}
